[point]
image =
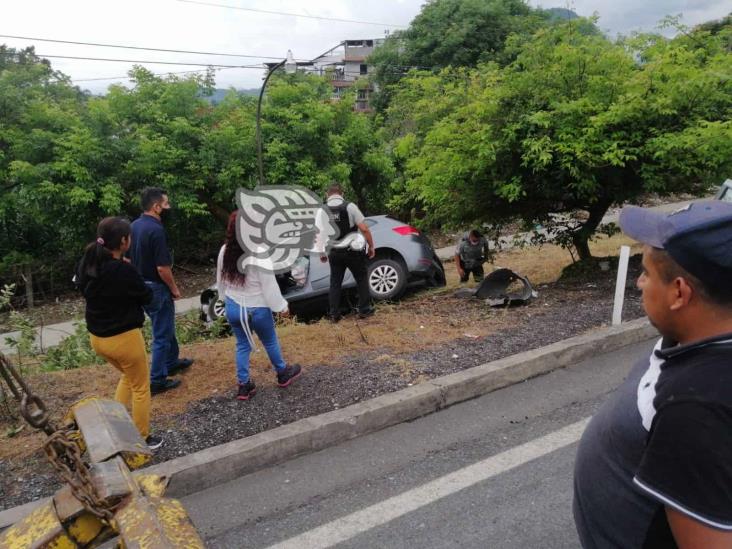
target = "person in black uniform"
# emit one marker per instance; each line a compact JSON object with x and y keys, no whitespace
{"x":347,"y":217}
{"x":470,"y":254}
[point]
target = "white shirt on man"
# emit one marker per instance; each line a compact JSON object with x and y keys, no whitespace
{"x":322,"y":222}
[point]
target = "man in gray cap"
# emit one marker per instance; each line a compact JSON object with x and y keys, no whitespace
{"x":654,"y":466}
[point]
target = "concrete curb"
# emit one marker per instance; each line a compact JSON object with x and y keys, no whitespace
{"x":219,"y":464}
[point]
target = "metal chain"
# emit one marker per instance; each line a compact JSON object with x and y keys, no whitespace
{"x":65,"y":456}
{"x":32,"y":407}
{"x":63,"y":453}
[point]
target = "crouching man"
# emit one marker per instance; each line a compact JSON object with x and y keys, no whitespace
{"x":470,"y":254}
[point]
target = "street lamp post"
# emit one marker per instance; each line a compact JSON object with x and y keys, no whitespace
{"x":290,"y":68}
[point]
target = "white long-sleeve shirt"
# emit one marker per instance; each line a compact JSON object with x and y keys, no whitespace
{"x":260,"y":288}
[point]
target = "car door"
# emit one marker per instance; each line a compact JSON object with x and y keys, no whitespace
{"x":319,"y":275}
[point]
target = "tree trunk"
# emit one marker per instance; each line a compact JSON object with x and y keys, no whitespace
{"x":28,"y":279}
{"x":360,"y":198}
{"x":219,"y":212}
{"x":582,"y":245}
{"x":581,"y":237}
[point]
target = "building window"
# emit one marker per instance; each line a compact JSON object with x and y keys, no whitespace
{"x":362,"y":95}
{"x":364,"y":69}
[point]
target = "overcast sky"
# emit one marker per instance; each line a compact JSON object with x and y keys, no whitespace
{"x":179,"y":25}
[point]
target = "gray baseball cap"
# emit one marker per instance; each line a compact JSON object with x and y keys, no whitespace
{"x":698,"y":237}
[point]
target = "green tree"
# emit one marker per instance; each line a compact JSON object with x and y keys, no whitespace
{"x":456,"y":33}
{"x":366,"y":166}
{"x":40,"y":116}
{"x":423,"y":100}
{"x":311,"y":140}
{"x":68,"y":159}
{"x":577,"y":122}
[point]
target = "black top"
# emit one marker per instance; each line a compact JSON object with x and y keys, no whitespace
{"x":149,"y":248}
{"x":114,"y":299}
{"x":663,"y":440}
{"x":339,"y":214}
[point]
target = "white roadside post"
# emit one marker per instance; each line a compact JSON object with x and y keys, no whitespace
{"x":620,"y":285}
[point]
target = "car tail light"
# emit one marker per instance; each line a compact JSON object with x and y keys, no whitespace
{"x":406,"y":230}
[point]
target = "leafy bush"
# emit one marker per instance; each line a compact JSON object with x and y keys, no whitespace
{"x":25,"y":342}
{"x":73,"y":352}
{"x":189,"y":329}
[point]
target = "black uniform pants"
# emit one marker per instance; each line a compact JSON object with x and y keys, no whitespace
{"x":340,"y":260}
{"x":477,"y":271}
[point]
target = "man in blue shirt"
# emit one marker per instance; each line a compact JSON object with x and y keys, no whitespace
{"x":149,"y":253}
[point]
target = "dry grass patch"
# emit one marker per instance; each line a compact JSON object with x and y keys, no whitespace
{"x":545,"y":264}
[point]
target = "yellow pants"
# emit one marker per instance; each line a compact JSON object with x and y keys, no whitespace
{"x":126,"y":352}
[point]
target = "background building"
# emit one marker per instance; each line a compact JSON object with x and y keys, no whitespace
{"x":345,"y":64}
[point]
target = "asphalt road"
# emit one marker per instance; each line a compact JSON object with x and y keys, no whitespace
{"x":492,"y":472}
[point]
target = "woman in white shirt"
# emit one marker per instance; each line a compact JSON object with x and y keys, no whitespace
{"x":251,"y":297}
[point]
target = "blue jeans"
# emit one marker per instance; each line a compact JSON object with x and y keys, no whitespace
{"x":260,"y":322}
{"x":161,"y":311}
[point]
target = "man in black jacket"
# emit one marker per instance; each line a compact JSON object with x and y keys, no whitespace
{"x":654,"y":466}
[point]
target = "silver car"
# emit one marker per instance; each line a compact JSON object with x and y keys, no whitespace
{"x":404,"y":258}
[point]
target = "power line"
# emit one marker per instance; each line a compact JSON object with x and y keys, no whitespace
{"x":315,"y":72}
{"x":128,"y":77}
{"x":139,"y":47}
{"x":140,"y":61}
{"x":214,"y":66}
{"x":165,"y":50}
{"x":321,"y":18}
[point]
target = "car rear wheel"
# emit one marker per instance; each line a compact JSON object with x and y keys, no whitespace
{"x":387,"y":279}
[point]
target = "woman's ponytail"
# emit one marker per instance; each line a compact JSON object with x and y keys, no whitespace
{"x":110,"y":232}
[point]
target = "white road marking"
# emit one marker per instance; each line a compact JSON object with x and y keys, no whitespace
{"x":349,"y":526}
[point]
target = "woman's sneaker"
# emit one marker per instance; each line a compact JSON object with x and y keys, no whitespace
{"x":288,"y":375}
{"x":246,"y":390}
{"x":154,"y":442}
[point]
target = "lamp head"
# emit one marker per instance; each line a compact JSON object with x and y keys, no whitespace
{"x":290,"y":64}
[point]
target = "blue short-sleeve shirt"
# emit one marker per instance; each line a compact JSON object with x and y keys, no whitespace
{"x":149,"y":248}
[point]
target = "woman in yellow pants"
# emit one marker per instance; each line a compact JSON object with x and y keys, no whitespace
{"x":115,"y":293}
